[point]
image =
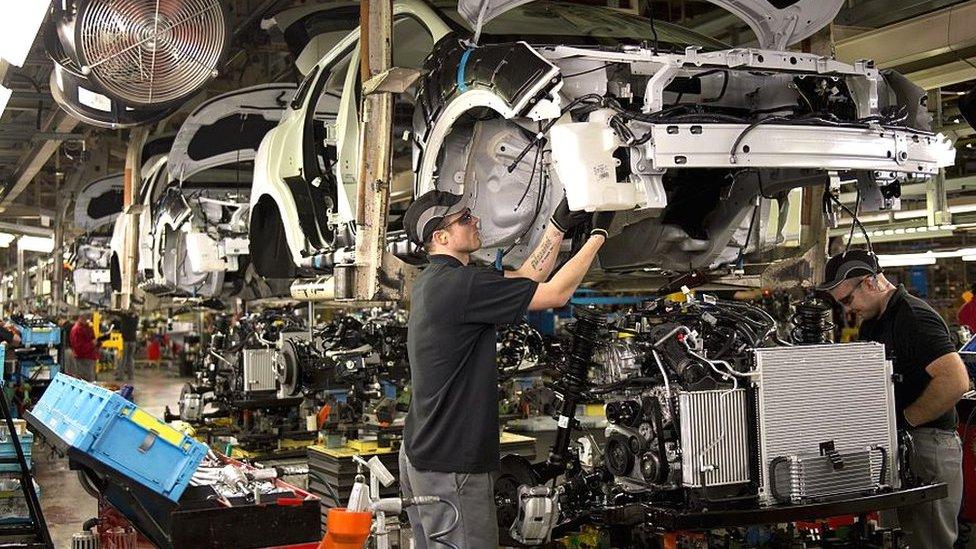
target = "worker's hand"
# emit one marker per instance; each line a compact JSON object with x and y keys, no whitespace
{"x":601,"y":223}
{"x":565,"y":219}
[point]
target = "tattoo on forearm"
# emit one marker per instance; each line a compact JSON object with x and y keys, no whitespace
{"x":542,"y":253}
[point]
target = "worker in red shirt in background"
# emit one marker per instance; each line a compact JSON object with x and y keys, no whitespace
{"x":967,"y":313}
{"x":85,"y":348}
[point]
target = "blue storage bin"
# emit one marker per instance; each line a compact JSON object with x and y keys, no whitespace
{"x":39,"y":336}
{"x":7,"y":450}
{"x":50,"y":370}
{"x":119,"y":434}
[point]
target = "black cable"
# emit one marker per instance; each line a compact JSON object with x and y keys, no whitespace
{"x":857,"y":210}
{"x":540,"y":201}
{"x":588,"y":71}
{"x":854,"y":218}
{"x":650,"y":15}
{"x":540,"y":137}
{"x":531,"y":177}
{"x":749,"y":128}
{"x":752,"y":221}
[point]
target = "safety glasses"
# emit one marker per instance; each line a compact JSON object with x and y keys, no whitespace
{"x":849,"y":298}
{"x":465,"y":218}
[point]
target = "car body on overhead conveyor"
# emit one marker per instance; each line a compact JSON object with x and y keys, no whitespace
{"x":97,"y":207}
{"x":192,"y":239}
{"x":705,"y":137}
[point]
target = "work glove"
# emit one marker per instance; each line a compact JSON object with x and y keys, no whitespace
{"x":565,"y":219}
{"x":601,"y":223}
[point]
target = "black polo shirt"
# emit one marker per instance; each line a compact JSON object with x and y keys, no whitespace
{"x":914,"y":335}
{"x":452,"y":424}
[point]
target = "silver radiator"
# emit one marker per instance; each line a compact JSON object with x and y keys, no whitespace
{"x":806,"y":478}
{"x":259,"y":370}
{"x":809,"y":395}
{"x":714,"y":437}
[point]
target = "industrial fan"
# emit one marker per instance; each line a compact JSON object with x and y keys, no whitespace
{"x":146,"y":54}
{"x":83,"y":100}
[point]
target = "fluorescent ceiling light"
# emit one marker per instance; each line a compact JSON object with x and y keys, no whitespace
{"x":43,"y":244}
{"x":4,"y":98}
{"x":18,"y":28}
{"x":6,"y":239}
{"x":906,"y":260}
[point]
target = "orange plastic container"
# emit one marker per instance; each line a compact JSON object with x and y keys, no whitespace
{"x":346,"y":529}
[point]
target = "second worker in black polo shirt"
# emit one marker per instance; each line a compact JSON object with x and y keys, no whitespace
{"x":450,"y":441}
{"x":931,"y":378}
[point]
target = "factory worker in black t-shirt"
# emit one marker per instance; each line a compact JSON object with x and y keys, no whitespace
{"x":930,"y":379}
{"x":450,"y":440}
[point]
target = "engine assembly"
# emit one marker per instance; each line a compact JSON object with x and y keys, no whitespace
{"x":707,"y":408}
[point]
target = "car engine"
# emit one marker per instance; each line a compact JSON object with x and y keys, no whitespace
{"x":707,"y":408}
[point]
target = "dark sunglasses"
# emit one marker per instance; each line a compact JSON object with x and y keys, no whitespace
{"x":465,"y":218}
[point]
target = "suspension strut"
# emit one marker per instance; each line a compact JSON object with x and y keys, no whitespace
{"x":572,"y":380}
{"x":812,"y":322}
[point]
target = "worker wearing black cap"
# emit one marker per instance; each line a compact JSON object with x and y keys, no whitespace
{"x":450,"y":441}
{"x":930,"y":380}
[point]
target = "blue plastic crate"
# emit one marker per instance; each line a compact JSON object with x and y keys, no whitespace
{"x":27,"y":372}
{"x":7,"y":450}
{"x":119,"y":434}
{"x":39,"y":336}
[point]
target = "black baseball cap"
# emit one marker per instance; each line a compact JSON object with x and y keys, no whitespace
{"x":427,"y":211}
{"x":849,"y":264}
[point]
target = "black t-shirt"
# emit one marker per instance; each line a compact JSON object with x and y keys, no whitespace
{"x":128,"y":326}
{"x":914,"y":335}
{"x":452,"y":424}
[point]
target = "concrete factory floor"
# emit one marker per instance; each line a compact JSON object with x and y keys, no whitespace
{"x":65,"y":503}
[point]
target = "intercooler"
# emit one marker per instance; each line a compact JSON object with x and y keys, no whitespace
{"x":259,"y":370}
{"x":714,"y":437}
{"x":812,"y":396}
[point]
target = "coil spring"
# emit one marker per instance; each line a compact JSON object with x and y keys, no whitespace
{"x":812,"y":322}
{"x":586,"y":333}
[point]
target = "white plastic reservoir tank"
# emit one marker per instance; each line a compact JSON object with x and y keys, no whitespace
{"x":582,"y":157}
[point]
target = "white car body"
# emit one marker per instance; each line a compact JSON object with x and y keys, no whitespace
{"x":192,"y":238}
{"x":97,"y":207}
{"x":863,"y":126}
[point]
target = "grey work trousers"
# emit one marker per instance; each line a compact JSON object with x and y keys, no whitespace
{"x":125,"y":369}
{"x":473,"y":494}
{"x":938,"y":458}
{"x":85,"y":369}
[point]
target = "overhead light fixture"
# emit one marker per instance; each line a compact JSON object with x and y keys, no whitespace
{"x":43,"y":244}
{"x":18,"y":28}
{"x":6,"y":239}
{"x":4,"y":97}
{"x":905,"y":260}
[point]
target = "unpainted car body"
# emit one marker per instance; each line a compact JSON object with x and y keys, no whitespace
{"x":707,"y":137}
{"x":97,"y":206}
{"x":192,"y":239}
